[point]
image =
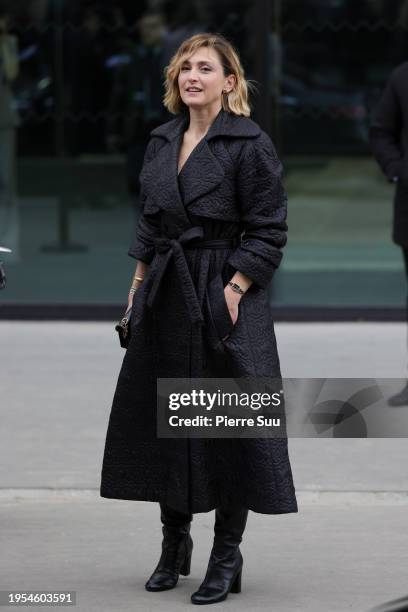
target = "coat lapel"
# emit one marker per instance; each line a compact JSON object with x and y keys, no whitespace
{"x":201,"y":173}
{"x":160,"y":175}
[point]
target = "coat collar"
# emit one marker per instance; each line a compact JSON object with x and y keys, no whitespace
{"x":201,"y":174}
{"x":224,"y":124}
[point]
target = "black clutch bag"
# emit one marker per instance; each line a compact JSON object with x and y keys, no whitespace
{"x":2,"y":272}
{"x":123,"y":329}
{"x":2,"y":276}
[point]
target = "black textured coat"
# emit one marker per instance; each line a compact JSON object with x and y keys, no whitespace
{"x":181,"y":327}
{"x":389,"y":143}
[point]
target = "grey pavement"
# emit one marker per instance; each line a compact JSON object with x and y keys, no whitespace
{"x":345,"y":549}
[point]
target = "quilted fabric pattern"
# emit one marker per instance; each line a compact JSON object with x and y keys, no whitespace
{"x":230,"y":185}
{"x":263,"y":205}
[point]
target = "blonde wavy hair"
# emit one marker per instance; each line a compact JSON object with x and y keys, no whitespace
{"x":236,"y":101}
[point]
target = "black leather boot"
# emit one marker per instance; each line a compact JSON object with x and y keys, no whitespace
{"x":177,"y":547}
{"x":225,"y":565}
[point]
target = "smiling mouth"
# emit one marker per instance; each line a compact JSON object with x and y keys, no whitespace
{"x":194,"y":90}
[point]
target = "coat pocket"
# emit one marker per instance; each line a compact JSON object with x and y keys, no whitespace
{"x":218,"y":308}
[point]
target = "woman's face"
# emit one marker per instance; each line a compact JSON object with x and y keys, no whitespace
{"x":203,"y":71}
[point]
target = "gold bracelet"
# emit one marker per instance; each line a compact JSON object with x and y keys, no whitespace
{"x":133,"y":288}
{"x":138,"y":278}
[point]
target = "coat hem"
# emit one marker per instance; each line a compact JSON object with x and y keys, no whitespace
{"x":156,"y":497}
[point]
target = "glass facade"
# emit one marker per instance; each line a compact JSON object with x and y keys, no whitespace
{"x":88,"y":92}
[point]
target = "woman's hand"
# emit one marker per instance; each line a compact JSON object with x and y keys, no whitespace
{"x":130,"y":300}
{"x":141,"y":270}
{"x":233,"y":299}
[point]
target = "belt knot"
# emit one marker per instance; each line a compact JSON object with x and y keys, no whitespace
{"x":164,"y":243}
{"x":173,"y":247}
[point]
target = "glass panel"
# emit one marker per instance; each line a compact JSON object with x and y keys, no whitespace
{"x":88,"y":93}
{"x":336,"y":56}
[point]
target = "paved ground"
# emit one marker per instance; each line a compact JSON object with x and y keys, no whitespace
{"x":345,"y":549}
{"x":326,"y":558}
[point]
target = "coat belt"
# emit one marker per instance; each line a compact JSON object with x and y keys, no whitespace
{"x":173,"y":247}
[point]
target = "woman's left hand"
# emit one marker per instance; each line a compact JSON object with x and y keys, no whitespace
{"x":233,"y":299}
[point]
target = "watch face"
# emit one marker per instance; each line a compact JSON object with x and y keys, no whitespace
{"x":235,"y":287}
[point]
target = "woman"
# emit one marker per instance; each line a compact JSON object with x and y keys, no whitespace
{"x":200,"y":309}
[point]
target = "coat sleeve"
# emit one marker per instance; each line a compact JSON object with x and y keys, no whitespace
{"x":385,"y":131}
{"x":263,"y":206}
{"x":147,"y":229}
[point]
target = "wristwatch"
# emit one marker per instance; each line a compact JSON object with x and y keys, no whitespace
{"x":235,"y":287}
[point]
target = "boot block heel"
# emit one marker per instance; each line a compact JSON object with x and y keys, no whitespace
{"x":185,"y":568}
{"x":236,"y":585}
